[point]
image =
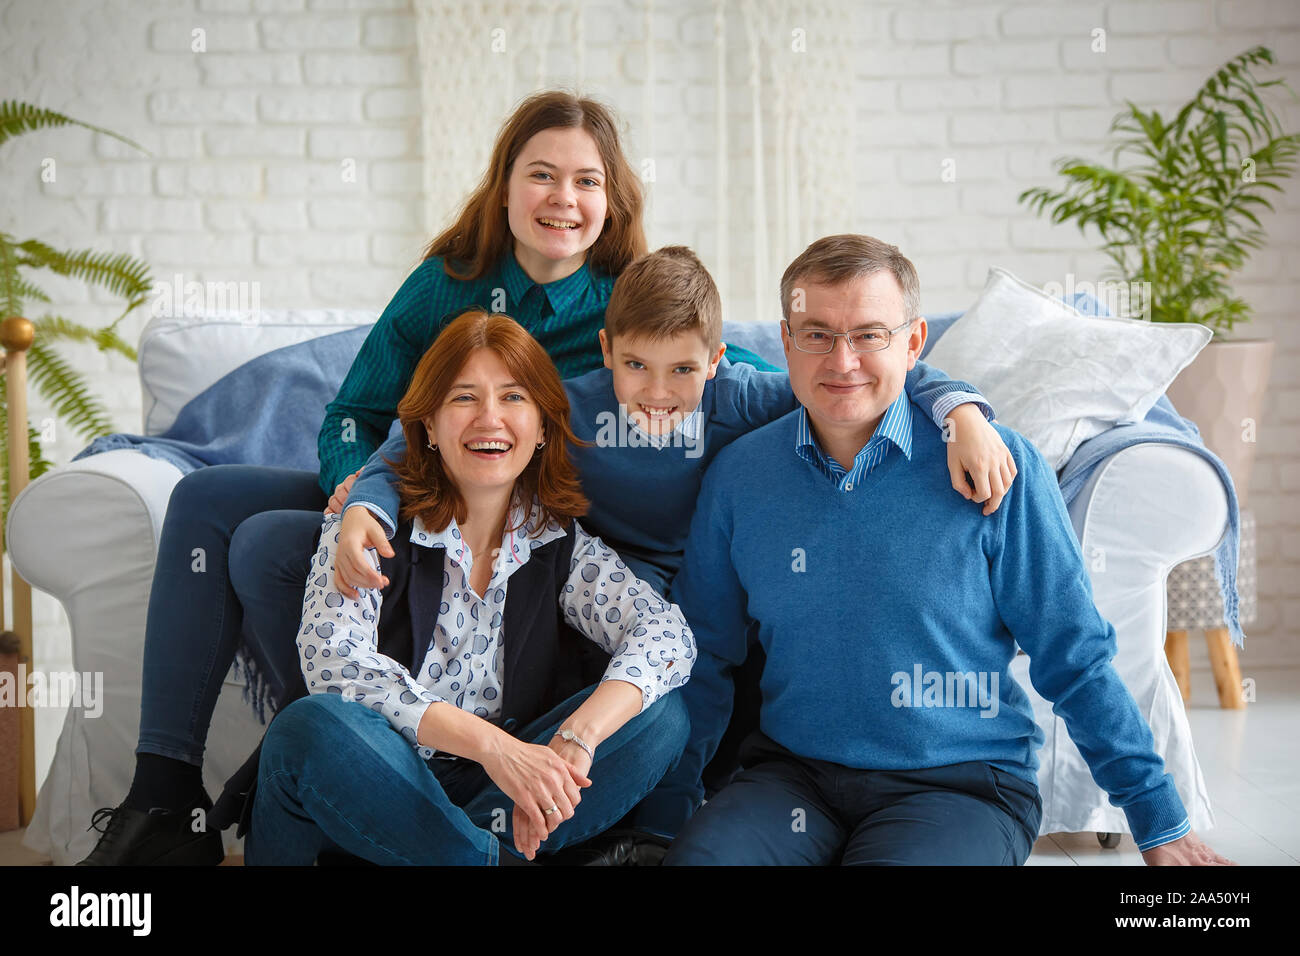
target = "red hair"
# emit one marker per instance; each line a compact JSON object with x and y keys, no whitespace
{"x":426,"y":490}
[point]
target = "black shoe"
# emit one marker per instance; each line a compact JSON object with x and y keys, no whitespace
{"x":621,"y":847}
{"x":156,"y":838}
{"x":506,"y":858}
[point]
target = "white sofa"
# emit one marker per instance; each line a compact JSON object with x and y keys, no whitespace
{"x":1145,"y":510}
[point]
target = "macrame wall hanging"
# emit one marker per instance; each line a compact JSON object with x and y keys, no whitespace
{"x":779,"y":75}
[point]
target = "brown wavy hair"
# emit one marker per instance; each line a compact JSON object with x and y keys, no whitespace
{"x":665,"y":293}
{"x":480,"y":236}
{"x":425,"y":489}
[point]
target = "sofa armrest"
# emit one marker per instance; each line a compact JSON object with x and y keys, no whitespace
{"x":87,"y":533}
{"x":1145,"y":509}
{"x":1160,"y":503}
{"x":63,"y":525}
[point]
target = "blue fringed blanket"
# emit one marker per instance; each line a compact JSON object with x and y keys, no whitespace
{"x":267,"y":411}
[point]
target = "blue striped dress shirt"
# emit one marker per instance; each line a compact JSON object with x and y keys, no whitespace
{"x":894,"y":431}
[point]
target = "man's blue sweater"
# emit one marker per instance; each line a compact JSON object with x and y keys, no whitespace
{"x":890,"y":613}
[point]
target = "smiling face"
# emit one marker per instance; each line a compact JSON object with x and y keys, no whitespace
{"x":846,"y":392}
{"x":556,"y":202}
{"x":659,"y":381}
{"x":487,"y":427}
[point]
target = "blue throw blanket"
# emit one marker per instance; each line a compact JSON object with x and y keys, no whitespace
{"x":1163,"y":424}
{"x":267,"y":411}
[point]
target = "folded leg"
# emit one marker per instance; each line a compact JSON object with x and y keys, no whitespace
{"x":334,"y":774}
{"x":270,"y":555}
{"x":773,"y":814}
{"x":968,"y":814}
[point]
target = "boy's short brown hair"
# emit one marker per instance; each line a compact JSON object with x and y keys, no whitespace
{"x":665,"y":293}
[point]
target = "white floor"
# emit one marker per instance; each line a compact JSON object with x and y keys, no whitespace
{"x":1249,"y":758}
{"x":1251,"y":762}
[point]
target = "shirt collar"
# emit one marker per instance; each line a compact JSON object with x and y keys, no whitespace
{"x":689,"y":428}
{"x":516,"y":546}
{"x":895,"y":427}
{"x":562,"y":293}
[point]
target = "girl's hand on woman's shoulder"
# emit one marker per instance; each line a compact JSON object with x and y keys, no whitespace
{"x":340,"y":496}
{"x":353,"y":568}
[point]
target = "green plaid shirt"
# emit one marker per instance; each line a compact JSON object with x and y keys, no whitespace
{"x":564,"y":316}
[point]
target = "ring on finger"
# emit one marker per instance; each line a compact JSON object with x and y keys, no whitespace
{"x":551,"y":809}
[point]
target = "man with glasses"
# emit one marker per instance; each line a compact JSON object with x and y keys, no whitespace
{"x":889,"y":611}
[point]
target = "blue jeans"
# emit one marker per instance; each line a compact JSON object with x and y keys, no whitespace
{"x":270,"y":556}
{"x":788,"y":810}
{"x":195,"y":618}
{"x":335,"y":775}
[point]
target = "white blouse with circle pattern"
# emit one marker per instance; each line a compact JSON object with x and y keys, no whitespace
{"x":647,"y":638}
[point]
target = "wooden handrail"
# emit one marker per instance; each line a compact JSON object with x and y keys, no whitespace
{"x":17,"y":335}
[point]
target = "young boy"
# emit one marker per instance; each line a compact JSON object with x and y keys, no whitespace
{"x":666,"y":402}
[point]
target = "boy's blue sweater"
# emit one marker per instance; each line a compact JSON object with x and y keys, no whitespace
{"x":642,"y":497}
{"x":867,"y":600}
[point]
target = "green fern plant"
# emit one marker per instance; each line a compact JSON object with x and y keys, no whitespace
{"x":1184,"y":216}
{"x":62,"y":386}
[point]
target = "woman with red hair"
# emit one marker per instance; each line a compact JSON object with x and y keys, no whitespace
{"x":508,"y":689}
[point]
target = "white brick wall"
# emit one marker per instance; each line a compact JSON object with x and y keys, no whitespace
{"x":249,"y":140}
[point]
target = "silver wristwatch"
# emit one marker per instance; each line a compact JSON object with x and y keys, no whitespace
{"x":570,"y":735}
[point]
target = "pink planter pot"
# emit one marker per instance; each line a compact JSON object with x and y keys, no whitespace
{"x":1223,"y":392}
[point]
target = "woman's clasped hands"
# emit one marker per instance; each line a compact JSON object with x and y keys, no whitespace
{"x":538,"y":779}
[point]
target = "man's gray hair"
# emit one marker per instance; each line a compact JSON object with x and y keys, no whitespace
{"x":836,"y":259}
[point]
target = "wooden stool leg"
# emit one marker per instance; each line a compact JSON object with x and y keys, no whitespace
{"x":1179,"y":662}
{"x":1227,"y":674}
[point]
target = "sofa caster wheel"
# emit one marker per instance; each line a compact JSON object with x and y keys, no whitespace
{"x":1108,"y":840}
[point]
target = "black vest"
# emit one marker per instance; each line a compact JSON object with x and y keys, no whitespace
{"x":544,"y":662}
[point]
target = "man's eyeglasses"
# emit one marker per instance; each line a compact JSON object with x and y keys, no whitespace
{"x":820,"y":341}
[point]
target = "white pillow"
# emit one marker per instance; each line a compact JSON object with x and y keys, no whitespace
{"x":1055,"y":375}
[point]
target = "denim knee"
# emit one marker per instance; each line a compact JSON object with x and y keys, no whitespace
{"x":301,"y":730}
{"x":670,"y":725}
{"x":209,"y":488}
{"x":254,"y":553}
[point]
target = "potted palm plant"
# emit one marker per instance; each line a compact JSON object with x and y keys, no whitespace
{"x":65,"y":388}
{"x":1179,"y":219}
